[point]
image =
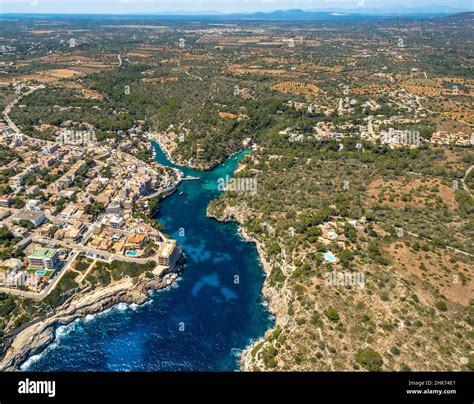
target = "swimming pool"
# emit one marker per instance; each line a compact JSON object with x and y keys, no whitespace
{"x":330,"y":257}
{"x":41,"y":273}
{"x":132,"y":253}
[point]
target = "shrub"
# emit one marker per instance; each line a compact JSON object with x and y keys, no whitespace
{"x":81,"y":265}
{"x":470,"y":364}
{"x":441,"y":305}
{"x":394,"y":350}
{"x":332,"y":314}
{"x":369,"y":359}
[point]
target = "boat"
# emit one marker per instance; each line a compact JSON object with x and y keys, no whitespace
{"x":181,"y":193}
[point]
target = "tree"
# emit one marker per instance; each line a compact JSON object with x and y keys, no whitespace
{"x":5,"y":235}
{"x":350,"y":233}
{"x":94,"y":209}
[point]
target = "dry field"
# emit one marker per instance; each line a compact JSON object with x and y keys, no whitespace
{"x":445,"y":271}
{"x":466,"y":115}
{"x":241,"y":70}
{"x":411,"y":191}
{"x":161,"y":80}
{"x":449,"y":125}
{"x":54,"y":75}
{"x":229,"y":115}
{"x":314,"y":67}
{"x":68,"y":58}
{"x":80,"y":88}
{"x":293,"y":87}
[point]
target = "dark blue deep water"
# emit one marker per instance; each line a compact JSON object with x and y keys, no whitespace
{"x":200,"y":323}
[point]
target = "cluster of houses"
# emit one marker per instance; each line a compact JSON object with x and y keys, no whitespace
{"x":42,"y":264}
{"x":446,"y":138}
{"x":56,"y":199}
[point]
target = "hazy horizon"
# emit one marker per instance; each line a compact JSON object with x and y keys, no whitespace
{"x":228,"y":7}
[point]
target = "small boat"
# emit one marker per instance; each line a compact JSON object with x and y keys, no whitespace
{"x":181,"y":193}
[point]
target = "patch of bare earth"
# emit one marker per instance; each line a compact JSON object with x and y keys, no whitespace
{"x":411,"y":191}
{"x":448,"y":273}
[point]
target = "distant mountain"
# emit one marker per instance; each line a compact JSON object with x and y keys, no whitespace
{"x":336,"y":14}
{"x":301,"y":15}
{"x":282,"y":15}
{"x":465,"y":17}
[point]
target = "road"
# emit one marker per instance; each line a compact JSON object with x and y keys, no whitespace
{"x":448,"y":247}
{"x":7,"y":110}
{"x":88,"y":250}
{"x":466,"y":188}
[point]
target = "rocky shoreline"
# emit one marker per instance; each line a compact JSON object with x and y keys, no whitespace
{"x":33,"y":339}
{"x":168,"y":145}
{"x":277,"y":306}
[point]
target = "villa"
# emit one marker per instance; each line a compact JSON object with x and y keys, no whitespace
{"x":136,"y":240}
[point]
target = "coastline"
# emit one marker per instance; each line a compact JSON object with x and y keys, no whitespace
{"x":169,"y":147}
{"x":33,"y":339}
{"x":276,"y":305}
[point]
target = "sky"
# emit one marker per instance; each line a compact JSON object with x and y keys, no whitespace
{"x":223,"y":6}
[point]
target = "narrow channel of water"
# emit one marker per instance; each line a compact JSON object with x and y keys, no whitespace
{"x":200,"y":323}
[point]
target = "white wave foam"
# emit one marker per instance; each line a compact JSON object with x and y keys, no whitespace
{"x":35,"y":358}
{"x":31,"y":361}
{"x":236,"y":352}
{"x":173,"y":285}
{"x":122,"y":306}
{"x":64,"y":330}
{"x":89,"y":318}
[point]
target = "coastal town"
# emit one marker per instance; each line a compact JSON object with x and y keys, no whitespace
{"x":73,"y":199}
{"x":341,"y":151}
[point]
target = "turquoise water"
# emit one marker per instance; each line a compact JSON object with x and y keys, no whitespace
{"x":200,"y":323}
{"x":329,"y":256}
{"x":132,"y":253}
{"x":41,"y":273}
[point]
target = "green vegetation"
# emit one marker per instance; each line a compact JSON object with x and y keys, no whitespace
{"x":66,"y":284}
{"x":104,"y":273}
{"x":322,"y":186}
{"x":369,"y":359}
{"x":332,"y":314}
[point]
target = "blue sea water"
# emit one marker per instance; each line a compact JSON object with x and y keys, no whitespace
{"x":200,"y":323}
